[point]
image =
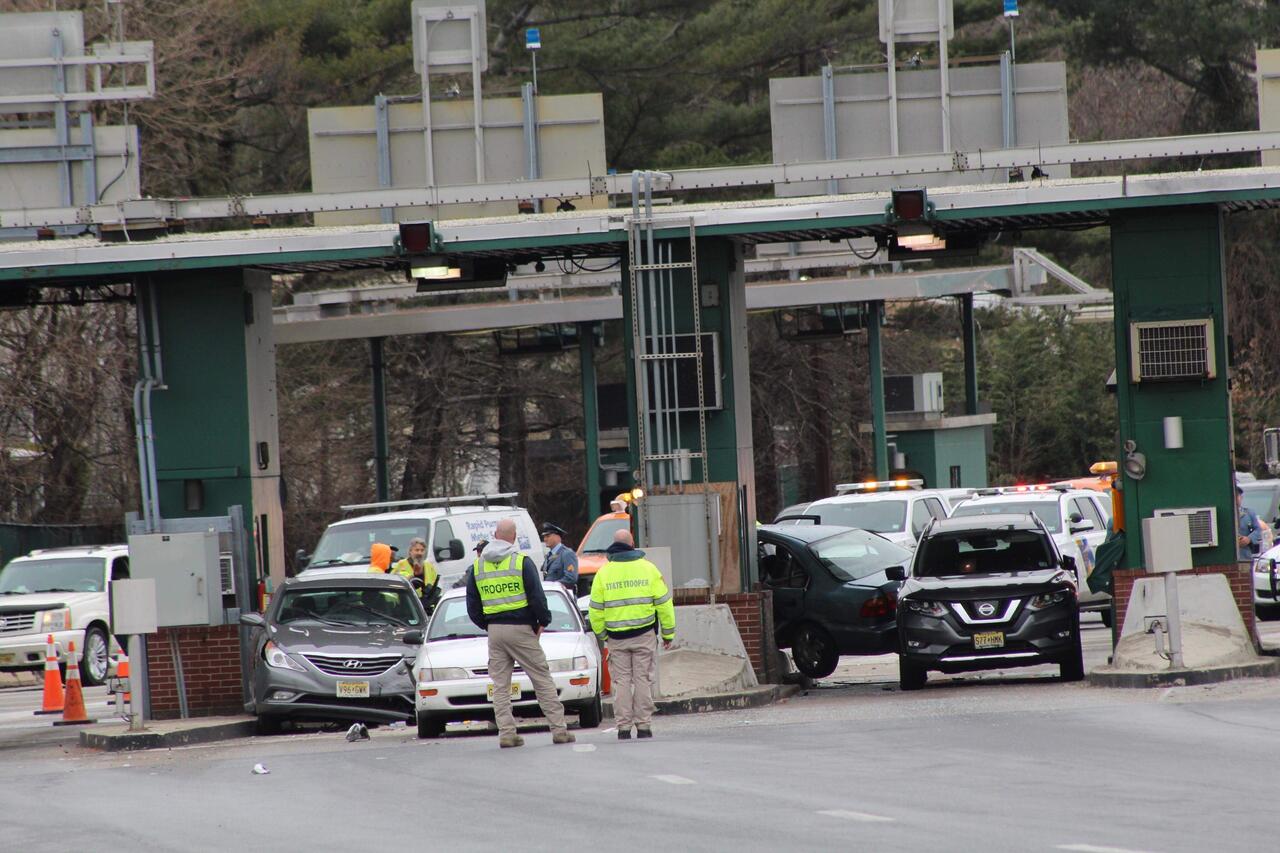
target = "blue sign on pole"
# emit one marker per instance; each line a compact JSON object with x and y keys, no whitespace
{"x":1011,"y":8}
{"x":533,"y":38}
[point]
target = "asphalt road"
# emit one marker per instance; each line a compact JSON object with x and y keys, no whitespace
{"x":1014,"y":763}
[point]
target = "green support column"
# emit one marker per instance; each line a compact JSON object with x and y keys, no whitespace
{"x":969,"y":332}
{"x":590,"y":418}
{"x":380,"y":452}
{"x":875,"y":315}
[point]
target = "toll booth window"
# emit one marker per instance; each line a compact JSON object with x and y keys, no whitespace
{"x":879,"y":516}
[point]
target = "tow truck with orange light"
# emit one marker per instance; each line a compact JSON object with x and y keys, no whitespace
{"x":600,"y":536}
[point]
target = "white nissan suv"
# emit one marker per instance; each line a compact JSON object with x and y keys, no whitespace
{"x":63,"y":592}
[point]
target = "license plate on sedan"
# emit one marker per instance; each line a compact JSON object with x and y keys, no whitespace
{"x":514,"y":692}
{"x":988,"y":640}
{"x":7,"y":657}
{"x":353,"y":690}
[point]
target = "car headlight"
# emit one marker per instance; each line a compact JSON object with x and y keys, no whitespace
{"x":276,"y":657}
{"x":926,"y":608}
{"x":1047,"y":599}
{"x":567,"y":664}
{"x":1262,"y":567}
{"x":55,"y":620}
{"x":446,"y":673}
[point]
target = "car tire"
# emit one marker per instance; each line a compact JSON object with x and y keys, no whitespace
{"x":1071,"y":668}
{"x":814,"y":651}
{"x":1267,"y":612}
{"x":267,"y":726}
{"x":430,"y":727}
{"x":911,"y":676}
{"x":1107,"y":617}
{"x":93,"y":663}
{"x":591,"y":714}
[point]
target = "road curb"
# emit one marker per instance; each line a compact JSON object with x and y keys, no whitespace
{"x":755,"y":697}
{"x":121,"y":741}
{"x":1187,"y":677}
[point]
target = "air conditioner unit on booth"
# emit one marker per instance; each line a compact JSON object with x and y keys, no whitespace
{"x":1202,"y":520}
{"x":917,"y":393}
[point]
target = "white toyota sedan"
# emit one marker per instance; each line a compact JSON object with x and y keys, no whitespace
{"x":452,"y":668}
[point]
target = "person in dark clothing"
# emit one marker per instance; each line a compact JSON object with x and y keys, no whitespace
{"x":506,"y":599}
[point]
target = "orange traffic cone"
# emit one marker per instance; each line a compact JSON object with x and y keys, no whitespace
{"x":52,"y":681}
{"x":606,"y":681}
{"x":73,"y":711}
{"x":122,"y":672}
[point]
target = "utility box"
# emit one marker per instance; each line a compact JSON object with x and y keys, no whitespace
{"x":914,"y":393}
{"x":1168,"y":542}
{"x":187,"y":575}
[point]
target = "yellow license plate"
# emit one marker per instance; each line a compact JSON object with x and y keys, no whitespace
{"x":514,"y":692}
{"x":8,"y":657}
{"x":353,"y":690}
{"x":988,"y":640}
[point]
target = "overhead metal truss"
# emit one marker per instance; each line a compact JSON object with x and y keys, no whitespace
{"x":896,"y":170}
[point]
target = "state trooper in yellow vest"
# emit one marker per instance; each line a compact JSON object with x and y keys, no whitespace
{"x":505,"y":598}
{"x":629,"y":601}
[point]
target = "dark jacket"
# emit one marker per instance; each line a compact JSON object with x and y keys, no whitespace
{"x":562,"y":566}
{"x":534,"y":613}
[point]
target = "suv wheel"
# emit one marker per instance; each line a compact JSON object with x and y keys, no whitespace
{"x":93,"y":664}
{"x":1072,"y":666}
{"x":591,"y":713}
{"x":814,"y":651}
{"x":911,"y":676}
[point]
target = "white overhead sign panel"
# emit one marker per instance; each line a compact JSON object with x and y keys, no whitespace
{"x":915,"y":20}
{"x":41,"y":36}
{"x":1269,"y":98}
{"x":445,"y":31}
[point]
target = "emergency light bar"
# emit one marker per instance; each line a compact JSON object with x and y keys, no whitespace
{"x":878,"y":486}
{"x":1024,"y":489}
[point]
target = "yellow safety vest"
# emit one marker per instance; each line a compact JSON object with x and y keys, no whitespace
{"x":405,"y":568}
{"x":629,"y":595}
{"x":501,"y":585}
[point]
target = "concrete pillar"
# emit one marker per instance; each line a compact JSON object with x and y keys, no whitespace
{"x":875,"y":375}
{"x":378,"y":370}
{"x":1167,"y":267}
{"x":970,"y":334}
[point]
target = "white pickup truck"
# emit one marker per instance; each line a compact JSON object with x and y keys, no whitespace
{"x":63,"y":592}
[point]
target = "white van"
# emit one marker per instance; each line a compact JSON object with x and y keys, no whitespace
{"x":451,"y":527}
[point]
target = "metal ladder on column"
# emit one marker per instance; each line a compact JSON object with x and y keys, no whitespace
{"x":657,"y":354}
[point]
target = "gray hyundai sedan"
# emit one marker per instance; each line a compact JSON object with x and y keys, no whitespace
{"x":332,"y":646}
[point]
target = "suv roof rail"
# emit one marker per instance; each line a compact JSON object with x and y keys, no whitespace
{"x":484,"y":500}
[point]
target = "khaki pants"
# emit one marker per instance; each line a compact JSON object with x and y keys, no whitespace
{"x":631,"y":666}
{"x":509,"y":644}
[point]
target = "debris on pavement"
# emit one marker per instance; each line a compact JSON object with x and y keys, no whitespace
{"x":358,"y":731}
{"x":260,"y":770}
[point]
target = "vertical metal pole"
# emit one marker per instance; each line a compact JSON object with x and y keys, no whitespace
{"x":969,"y":331}
{"x":892,"y":49}
{"x":137,"y":682}
{"x":379,"y":418}
{"x":636,"y":256}
{"x":875,"y":312}
{"x":382,"y":124}
{"x":1009,"y":117}
{"x":590,"y":417}
{"x":428,"y":150}
{"x":1013,"y":48}
{"x":649,"y":278}
{"x":90,"y":173}
{"x":535,"y":71}
{"x":829,"y":121}
{"x":944,"y":78}
{"x":60,"y":121}
{"x":1175,"y":619}
{"x":477,"y":99}
{"x":527,"y":93}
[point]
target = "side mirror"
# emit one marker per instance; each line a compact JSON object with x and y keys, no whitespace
{"x":254,"y":620}
{"x":413,"y":638}
{"x":1069,"y":563}
{"x":896,"y":573}
{"x":456,"y":551}
{"x":1082,"y":525}
{"x":301,"y":557}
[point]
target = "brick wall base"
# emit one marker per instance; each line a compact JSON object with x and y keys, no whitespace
{"x":210,"y":668}
{"x":753,"y":612}
{"x":1238,"y":575}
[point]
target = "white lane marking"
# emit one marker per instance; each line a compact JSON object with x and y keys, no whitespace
{"x":1093,"y":848}
{"x":584,"y":747}
{"x":861,"y":817}
{"x":674,"y":780}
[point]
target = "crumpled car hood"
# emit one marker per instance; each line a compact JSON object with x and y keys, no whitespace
{"x":986,"y":584}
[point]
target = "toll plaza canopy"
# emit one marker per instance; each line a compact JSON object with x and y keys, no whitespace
{"x":1073,"y":202}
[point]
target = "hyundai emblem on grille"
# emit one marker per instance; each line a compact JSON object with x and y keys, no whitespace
{"x":351,"y":664}
{"x":986,"y":608}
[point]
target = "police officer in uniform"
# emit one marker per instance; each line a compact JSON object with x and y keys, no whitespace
{"x":561,"y":563}
{"x":505,"y":598}
{"x":629,"y":599}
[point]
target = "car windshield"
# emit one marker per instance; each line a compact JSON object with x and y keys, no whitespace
{"x":887,"y":516}
{"x":451,"y":622}
{"x":349,"y":605}
{"x":1261,"y":501}
{"x":349,"y":544}
{"x":856,"y":554}
{"x":81,"y":574}
{"x":600,"y":536}
{"x":1046,"y":511}
{"x":982,"y":552}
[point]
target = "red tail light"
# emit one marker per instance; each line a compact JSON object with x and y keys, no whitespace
{"x":883,"y":605}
